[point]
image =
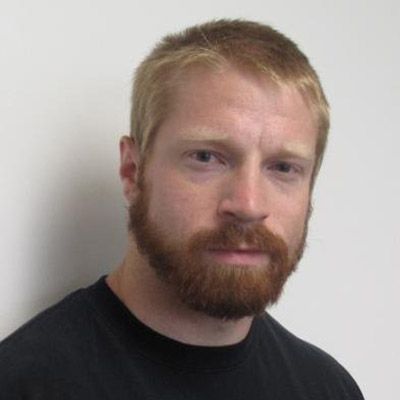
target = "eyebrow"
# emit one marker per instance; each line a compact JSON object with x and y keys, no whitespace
{"x":299,"y":150}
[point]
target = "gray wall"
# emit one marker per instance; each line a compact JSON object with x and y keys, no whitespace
{"x":64,"y":101}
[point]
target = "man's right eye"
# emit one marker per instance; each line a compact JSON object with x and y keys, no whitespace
{"x":203,"y":156}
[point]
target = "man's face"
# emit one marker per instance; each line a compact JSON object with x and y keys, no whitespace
{"x":225,"y":194}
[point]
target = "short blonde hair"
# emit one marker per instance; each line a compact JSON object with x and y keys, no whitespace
{"x":247,"y":44}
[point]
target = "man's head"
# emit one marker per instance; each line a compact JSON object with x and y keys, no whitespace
{"x":255,"y":47}
{"x":226,"y":143}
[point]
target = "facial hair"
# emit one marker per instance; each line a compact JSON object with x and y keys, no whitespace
{"x":220,"y":290}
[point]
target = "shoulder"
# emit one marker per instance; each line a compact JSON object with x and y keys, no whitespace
{"x":309,"y":363}
{"x":49,"y":326}
{"x":41,"y":347}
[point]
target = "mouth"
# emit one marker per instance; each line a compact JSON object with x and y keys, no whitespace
{"x":239,"y":256}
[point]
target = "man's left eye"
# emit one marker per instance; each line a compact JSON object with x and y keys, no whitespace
{"x":284,"y":167}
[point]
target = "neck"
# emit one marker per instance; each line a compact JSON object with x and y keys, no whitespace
{"x":153,"y":302}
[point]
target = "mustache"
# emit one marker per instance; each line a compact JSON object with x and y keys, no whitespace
{"x":233,"y":236}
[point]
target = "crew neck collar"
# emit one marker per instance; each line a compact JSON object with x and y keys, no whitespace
{"x":139,"y":338}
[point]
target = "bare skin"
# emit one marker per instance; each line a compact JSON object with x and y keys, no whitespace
{"x":260,"y":146}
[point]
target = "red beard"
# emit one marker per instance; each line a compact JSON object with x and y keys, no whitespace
{"x":219,"y":290}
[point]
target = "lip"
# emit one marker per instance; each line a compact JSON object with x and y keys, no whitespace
{"x":239,"y":256}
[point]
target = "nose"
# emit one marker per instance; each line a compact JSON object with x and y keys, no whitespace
{"x":243,"y":198}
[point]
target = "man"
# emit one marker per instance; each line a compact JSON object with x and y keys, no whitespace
{"x":228,"y":129}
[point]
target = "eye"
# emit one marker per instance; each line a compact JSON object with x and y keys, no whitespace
{"x":204,"y":160}
{"x":286,"y":171}
{"x":203,"y":156}
{"x":284,"y":167}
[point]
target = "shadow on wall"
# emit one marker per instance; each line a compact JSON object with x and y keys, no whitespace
{"x":81,"y":232}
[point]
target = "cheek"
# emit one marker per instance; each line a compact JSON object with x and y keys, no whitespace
{"x":179,"y":208}
{"x":291,"y":218}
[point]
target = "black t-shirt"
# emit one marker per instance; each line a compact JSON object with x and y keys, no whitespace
{"x":90,"y":346}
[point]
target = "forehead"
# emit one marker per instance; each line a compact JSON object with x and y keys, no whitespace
{"x":236,"y":86}
{"x":233,"y":104}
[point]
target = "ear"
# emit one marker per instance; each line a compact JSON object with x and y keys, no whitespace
{"x":129,"y":167}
